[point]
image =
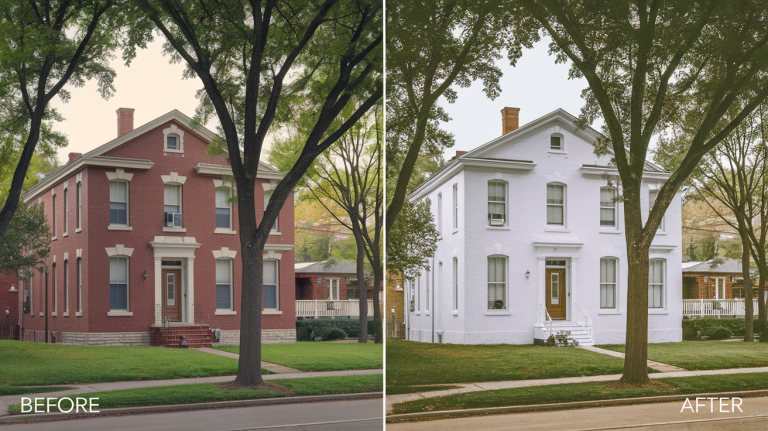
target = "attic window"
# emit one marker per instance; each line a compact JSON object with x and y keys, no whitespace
{"x":172,"y":142}
{"x":556,"y":142}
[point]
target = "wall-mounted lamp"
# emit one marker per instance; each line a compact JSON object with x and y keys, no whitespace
{"x":527,"y":274}
{"x":144,"y":276}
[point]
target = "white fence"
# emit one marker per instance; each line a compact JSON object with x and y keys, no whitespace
{"x":716,"y":307}
{"x":323,"y":308}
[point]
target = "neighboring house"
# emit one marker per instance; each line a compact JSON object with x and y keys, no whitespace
{"x":318,"y":280}
{"x":395,"y":292}
{"x":11,"y":305}
{"x":145,"y":236}
{"x":531,"y":234}
{"x":705,"y":280}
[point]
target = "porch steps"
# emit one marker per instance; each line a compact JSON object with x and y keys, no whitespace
{"x":578,"y":333}
{"x":197,"y":336}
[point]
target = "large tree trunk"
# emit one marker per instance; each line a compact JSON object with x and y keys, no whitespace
{"x":377,"y":306}
{"x":761,"y":285}
{"x":361,"y":284}
{"x":748,"y":295}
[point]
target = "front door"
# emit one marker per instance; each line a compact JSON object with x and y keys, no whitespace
{"x":172,"y":294}
{"x":556,"y":293}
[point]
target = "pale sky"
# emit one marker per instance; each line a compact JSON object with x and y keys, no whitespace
{"x":150,"y":85}
{"x":536,"y":85}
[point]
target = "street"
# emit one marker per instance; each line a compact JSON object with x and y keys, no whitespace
{"x":656,"y":417}
{"x":341,"y":415}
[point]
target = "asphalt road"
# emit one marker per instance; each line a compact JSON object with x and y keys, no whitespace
{"x":324,"y":416}
{"x":655,"y":417}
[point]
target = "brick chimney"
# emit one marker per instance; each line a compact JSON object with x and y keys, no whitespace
{"x":73,"y":156}
{"x":124,"y":121}
{"x":460,"y":153}
{"x":509,"y":120}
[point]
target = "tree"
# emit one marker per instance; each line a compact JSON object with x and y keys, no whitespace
{"x":44,"y":46}
{"x":262,"y":64}
{"x":26,"y":243}
{"x":433,"y":46}
{"x":649,"y":64}
{"x":412,"y":240}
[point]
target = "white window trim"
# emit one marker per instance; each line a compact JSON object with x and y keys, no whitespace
{"x":66,"y":285}
{"x":55,"y":304}
{"x":562,"y":149}
{"x":654,"y":187}
{"x":231,"y":309}
{"x":616,"y":288}
{"x":79,"y":312}
{"x":127,"y":179}
{"x":507,"y":309}
{"x":173,"y":130}
{"x":127,"y":255}
{"x":440,"y":214}
{"x":617,"y":222}
{"x":277,"y":291}
{"x":268,"y":188}
{"x":455,"y":286}
{"x":79,"y":198}
{"x":506,"y":203}
{"x":564,"y":226}
{"x":53,"y":214}
{"x":664,"y":288}
{"x":455,"y":207}
{"x":338,"y":288}
{"x":426,"y":290}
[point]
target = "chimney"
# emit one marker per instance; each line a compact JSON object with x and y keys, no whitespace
{"x":460,"y":153}
{"x":509,"y":120}
{"x":124,"y":121}
{"x":73,"y":156}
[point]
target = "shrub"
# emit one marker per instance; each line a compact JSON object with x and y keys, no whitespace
{"x":311,"y":329}
{"x":721,"y":334}
{"x":335,"y":334}
{"x":694,"y":329}
{"x":303,"y":333}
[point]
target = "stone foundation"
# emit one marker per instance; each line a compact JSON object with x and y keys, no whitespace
{"x":268,"y":336}
{"x":106,"y":338}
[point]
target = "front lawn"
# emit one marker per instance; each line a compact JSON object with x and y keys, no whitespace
{"x":321,"y":356}
{"x":23,"y":363}
{"x":706,"y":355}
{"x":411,"y":363}
{"x":211,"y":392}
{"x":582,"y":392}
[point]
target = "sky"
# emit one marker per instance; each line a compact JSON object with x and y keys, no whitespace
{"x":150,"y":85}
{"x":536,"y":85}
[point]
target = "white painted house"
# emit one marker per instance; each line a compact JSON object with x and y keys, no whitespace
{"x":532,"y":242}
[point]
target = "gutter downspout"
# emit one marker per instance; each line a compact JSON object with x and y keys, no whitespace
{"x":432,"y":307}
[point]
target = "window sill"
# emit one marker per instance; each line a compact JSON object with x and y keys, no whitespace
{"x":119,"y":227}
{"x":53,"y":314}
{"x":426,"y":313}
{"x":557,"y":229}
{"x":418,"y":313}
{"x":224,"y":231}
{"x":660,"y":233}
{"x":610,"y":231}
{"x":455,"y":312}
{"x":658,"y":312}
{"x":275,"y":312}
{"x":168,"y":150}
{"x":78,"y":230}
{"x":174,"y":229}
{"x":498,"y":228}
{"x":120,"y":313}
{"x":66,"y":314}
{"x":79,"y":314}
{"x":455,"y":231}
{"x":53,"y":238}
{"x":65,"y":234}
{"x":225,"y":312}
{"x":273,"y":232}
{"x":609,"y":311}
{"x":41,"y":314}
{"x":498,"y":313}
{"x":557,"y":152}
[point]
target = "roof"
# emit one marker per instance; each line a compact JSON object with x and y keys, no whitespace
{"x":477,"y":155}
{"x":95,"y":157}
{"x":343,"y":267}
{"x":729,"y":266}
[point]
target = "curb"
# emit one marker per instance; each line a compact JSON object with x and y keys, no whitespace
{"x":198,"y":406}
{"x":567,"y":406}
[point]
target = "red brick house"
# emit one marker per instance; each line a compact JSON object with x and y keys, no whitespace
{"x":144,"y":234}
{"x":317,"y":280}
{"x":11,"y":304}
{"x":703,"y":280}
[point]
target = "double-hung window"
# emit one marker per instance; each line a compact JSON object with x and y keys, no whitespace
{"x":66,"y":287}
{"x":456,"y":283}
{"x":608,"y":283}
{"x":55,"y":291}
{"x":439,"y":213}
{"x":497,"y":203}
{"x":608,"y":207}
{"x":332,"y":289}
{"x":271,"y":292}
{"x":79,"y":285}
{"x":556,"y":204}
{"x":172,"y":205}
{"x":118,"y":203}
{"x":455,"y":206}
{"x":53,"y":216}
{"x":656,"y":283}
{"x":66,"y":212}
{"x":267,"y":197}
{"x":223,"y":209}
{"x":118,"y":283}
{"x":79,"y":205}
{"x":223,"y":284}
{"x":652,"y":195}
{"x":497,"y":282}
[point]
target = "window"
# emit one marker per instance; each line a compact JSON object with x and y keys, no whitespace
{"x":118,"y":202}
{"x":556,"y":204}
{"x":271,"y":292}
{"x":53,"y":216}
{"x":66,"y":212}
{"x":455,"y":206}
{"x":79,"y":205}
{"x":497,"y":203}
{"x":418,"y":294}
{"x":267,"y":197}
{"x":171,"y":142}
{"x":439,"y":213}
{"x":223,"y":284}
{"x":118,"y":283}
{"x":66,"y":284}
{"x":223,"y":209}
{"x":656,"y":283}
{"x":426,"y":290}
{"x":556,"y":142}
{"x":55,"y":291}
{"x":79,"y":285}
{"x":332,"y":289}
{"x":607,"y":207}
{"x":172,"y":206}
{"x":455,"y":283}
{"x":608,"y":283}
{"x":652,"y":195}
{"x":353,"y":294}
{"x":497,"y":283}
{"x":413,"y":294}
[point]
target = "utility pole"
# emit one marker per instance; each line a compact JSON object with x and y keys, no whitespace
{"x":46,"y":302}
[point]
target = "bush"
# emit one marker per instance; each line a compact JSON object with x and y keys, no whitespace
{"x":721,"y":334}
{"x":303,"y":333}
{"x":335,"y":334}
{"x":760,"y":329}
{"x":694,"y":329}
{"x":307,"y":330}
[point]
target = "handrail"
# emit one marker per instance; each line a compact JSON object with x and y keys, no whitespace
{"x":547,"y":321}
{"x":585,"y":320}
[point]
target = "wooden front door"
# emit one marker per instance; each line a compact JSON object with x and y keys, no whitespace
{"x":172,"y":294}
{"x":556,"y":293}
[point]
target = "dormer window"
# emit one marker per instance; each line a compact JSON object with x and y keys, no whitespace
{"x":556,"y":142}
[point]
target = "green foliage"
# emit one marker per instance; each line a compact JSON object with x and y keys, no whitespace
{"x":311,"y":329}
{"x":309,"y":356}
{"x":26,"y":243}
{"x":412,"y":240}
{"x":693,"y":329}
{"x":720,"y":334}
{"x":704,"y":249}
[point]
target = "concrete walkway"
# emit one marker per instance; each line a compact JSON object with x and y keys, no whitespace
{"x":7,"y":400}
{"x":511,"y":384}
{"x":658,"y":366}
{"x":275,"y":368}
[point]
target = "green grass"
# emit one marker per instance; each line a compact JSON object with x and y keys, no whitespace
{"x":320,"y":356}
{"x":582,"y":392}
{"x":706,"y":355}
{"x":210,"y":392}
{"x":23,"y":363}
{"x":411,"y":363}
{"x":21,"y":390}
{"x":397,"y":390}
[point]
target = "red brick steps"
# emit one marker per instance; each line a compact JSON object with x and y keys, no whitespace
{"x":196,"y":335}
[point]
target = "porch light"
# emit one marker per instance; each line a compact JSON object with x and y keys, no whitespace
{"x":144,"y":276}
{"x":527,"y":274}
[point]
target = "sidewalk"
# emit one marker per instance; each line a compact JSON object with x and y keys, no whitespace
{"x":510,"y":384}
{"x":658,"y":366}
{"x":275,"y":368}
{"x":7,"y":400}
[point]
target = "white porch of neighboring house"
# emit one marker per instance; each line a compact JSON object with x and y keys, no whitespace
{"x":698,"y":308}
{"x":316,"y":308}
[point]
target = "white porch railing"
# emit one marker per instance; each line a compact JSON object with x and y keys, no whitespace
{"x":716,"y":307}
{"x":584,"y":320}
{"x":324,"y":308}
